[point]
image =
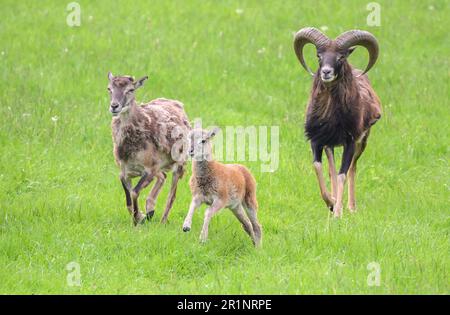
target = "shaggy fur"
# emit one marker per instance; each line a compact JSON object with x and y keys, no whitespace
{"x":148,"y":142}
{"x":341,"y":110}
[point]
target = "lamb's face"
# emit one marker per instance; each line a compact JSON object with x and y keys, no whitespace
{"x":121,"y":91}
{"x":199,"y":145}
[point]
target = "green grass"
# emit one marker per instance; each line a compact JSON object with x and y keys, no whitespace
{"x":61,"y":200}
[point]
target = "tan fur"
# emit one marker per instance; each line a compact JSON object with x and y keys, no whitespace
{"x":222,"y":186}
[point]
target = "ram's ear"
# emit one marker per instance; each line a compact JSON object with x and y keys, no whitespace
{"x":350,"y":50}
{"x":140,"y":82}
{"x":110,"y":76}
{"x":212,"y":132}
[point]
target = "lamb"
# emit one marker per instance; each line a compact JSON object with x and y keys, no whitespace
{"x":341,"y":110}
{"x":219,"y":186}
{"x":149,"y":141}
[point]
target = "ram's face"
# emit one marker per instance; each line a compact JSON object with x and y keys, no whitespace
{"x":331,"y":62}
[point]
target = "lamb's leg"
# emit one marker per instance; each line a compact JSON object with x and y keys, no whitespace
{"x":172,"y":194}
{"x":195,"y":203}
{"x":153,"y":195}
{"x":126,"y":184}
{"x":210,"y":211}
{"x":240,"y":215}
{"x":317,"y":154}
{"x":347,"y":156}
{"x":332,"y":171}
{"x":143,"y":182}
{"x":251,"y":213}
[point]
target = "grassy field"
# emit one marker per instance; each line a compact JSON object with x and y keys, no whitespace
{"x":231,"y":63}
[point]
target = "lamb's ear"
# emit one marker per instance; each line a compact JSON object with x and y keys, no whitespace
{"x":110,"y":76}
{"x":213,"y":132}
{"x":140,"y":82}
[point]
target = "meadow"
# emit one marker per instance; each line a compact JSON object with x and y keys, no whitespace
{"x":232,"y":64}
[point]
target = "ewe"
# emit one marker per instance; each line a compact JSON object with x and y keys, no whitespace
{"x":342,"y":108}
{"x":220,"y":186}
{"x":148,"y":142}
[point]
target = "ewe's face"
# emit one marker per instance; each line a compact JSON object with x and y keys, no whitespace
{"x":121,"y":91}
{"x":331,"y":62}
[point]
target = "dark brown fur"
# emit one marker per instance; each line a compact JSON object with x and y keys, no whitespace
{"x":343,"y":109}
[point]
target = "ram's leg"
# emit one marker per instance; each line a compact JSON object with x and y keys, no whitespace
{"x":172,"y":194}
{"x":153,"y":195}
{"x":347,"y":156}
{"x":126,"y":184}
{"x":195,"y":203}
{"x":210,"y":211}
{"x":143,"y":182}
{"x":317,"y":155}
{"x":359,"y":149}
{"x":332,"y":171}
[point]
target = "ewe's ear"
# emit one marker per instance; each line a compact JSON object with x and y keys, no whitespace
{"x":110,"y":76}
{"x":213,"y":132}
{"x":140,"y":82}
{"x":350,"y":50}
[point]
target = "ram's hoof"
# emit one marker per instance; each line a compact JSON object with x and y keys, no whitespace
{"x":186,"y":228}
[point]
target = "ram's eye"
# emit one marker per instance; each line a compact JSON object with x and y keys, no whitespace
{"x":130,"y":91}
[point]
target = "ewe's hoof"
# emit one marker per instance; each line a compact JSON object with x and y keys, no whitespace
{"x":186,"y":228}
{"x":150,"y":215}
{"x":331,"y":208}
{"x":140,"y":220}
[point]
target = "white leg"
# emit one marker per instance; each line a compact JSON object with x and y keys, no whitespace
{"x":195,"y":203}
{"x":210,"y":211}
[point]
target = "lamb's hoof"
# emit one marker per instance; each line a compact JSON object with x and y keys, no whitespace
{"x":150,"y":215}
{"x":331,"y":208}
{"x":186,"y":228}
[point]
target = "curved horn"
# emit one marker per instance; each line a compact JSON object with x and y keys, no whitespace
{"x":308,"y":35}
{"x":362,"y":38}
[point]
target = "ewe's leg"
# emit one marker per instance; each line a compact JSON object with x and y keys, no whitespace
{"x":172,"y":194}
{"x":347,"y":156}
{"x":143,"y":182}
{"x":126,"y":184}
{"x":153,"y":195}
{"x":317,"y":154}
{"x":195,"y":203}
{"x":332,"y":171}
{"x":210,"y":211}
